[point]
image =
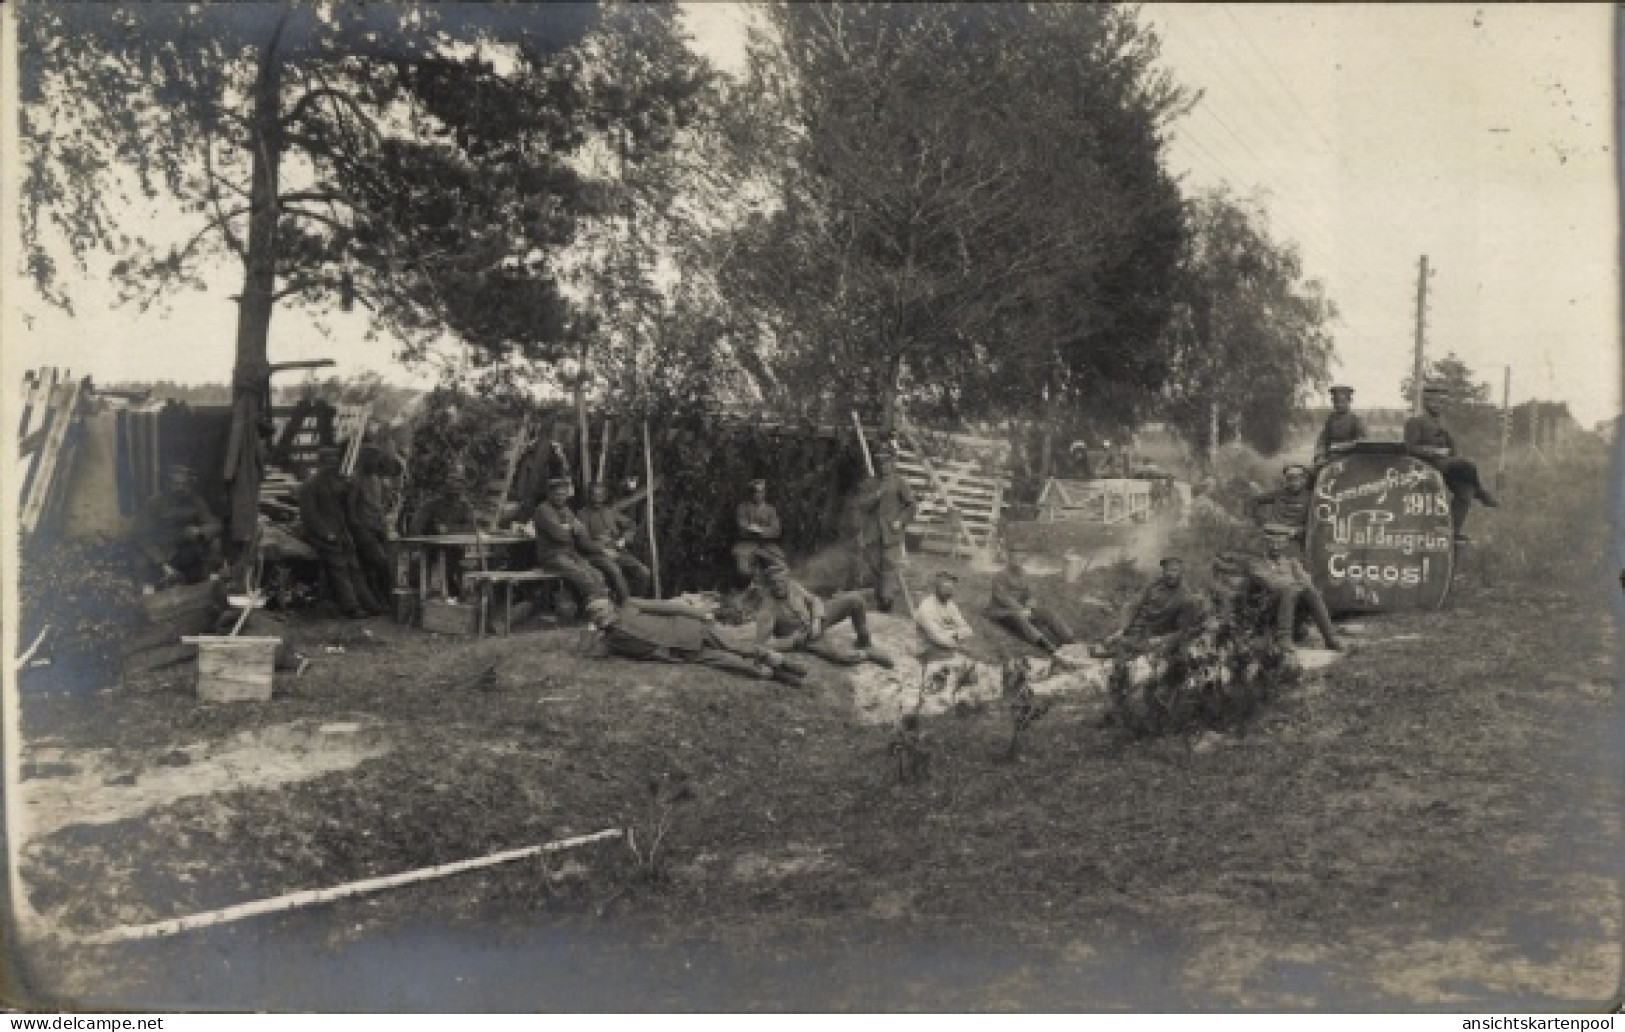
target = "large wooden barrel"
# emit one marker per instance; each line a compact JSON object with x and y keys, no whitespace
{"x":1379,"y":536}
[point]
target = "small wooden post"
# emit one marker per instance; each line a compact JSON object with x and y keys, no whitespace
{"x":649,"y":501}
{"x":603,"y":454}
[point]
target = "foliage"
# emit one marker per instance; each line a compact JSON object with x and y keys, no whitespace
{"x":667,"y":792}
{"x":1251,"y":335}
{"x":961,"y":203}
{"x":1217,"y":680}
{"x":413,"y":157}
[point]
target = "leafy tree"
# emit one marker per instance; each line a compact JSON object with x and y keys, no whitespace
{"x":415,"y":158}
{"x":1455,"y":375}
{"x":1250,"y":336}
{"x":963,"y":204}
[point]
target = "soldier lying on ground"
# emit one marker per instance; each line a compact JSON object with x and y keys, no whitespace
{"x":671,"y":632}
{"x":1012,"y":605}
{"x":792,"y":619}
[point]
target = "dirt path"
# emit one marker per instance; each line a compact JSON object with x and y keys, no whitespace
{"x":1417,"y":827}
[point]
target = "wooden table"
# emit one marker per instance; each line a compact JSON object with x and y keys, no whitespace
{"x":488,"y":579}
{"x":422,"y":548}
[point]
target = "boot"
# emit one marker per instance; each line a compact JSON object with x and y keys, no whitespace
{"x":794,"y":666}
{"x":1485,"y":498}
{"x":864,"y":641}
{"x":878,"y":658}
{"x":785,"y":674}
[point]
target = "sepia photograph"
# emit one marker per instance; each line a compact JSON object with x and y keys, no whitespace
{"x":811,"y":507}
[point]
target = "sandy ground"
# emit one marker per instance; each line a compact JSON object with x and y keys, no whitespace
{"x":1432,"y":822}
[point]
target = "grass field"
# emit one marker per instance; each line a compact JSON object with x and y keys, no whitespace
{"x":1433,"y":821}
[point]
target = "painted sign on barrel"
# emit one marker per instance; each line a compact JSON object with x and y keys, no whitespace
{"x":1379,"y":534}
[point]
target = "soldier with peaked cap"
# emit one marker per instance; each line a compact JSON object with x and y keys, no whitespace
{"x":1012,"y":605}
{"x":1166,"y":607}
{"x":1342,"y":427}
{"x":885,"y":508}
{"x":604,"y":547}
{"x":1285,"y":578}
{"x":758,"y":528}
{"x":324,"y":510}
{"x":558,"y":532}
{"x":178,"y":532}
{"x":1289,"y":504}
{"x":793,"y":619}
{"x":1427,"y":438}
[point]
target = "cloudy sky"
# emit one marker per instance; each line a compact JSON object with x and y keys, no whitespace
{"x":1480,"y":137}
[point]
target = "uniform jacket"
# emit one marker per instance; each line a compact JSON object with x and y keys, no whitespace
{"x":1010,"y":594}
{"x":1429,"y":432}
{"x":605,"y":525}
{"x":638,"y":633}
{"x":324,"y":508}
{"x":1340,"y":428}
{"x":891,"y":505}
{"x":166,"y":520}
{"x":1164,"y":610}
{"x":764,"y":516}
{"x":793,"y":614}
{"x":1279,"y":574}
{"x":558,"y":532}
{"x":1290,"y":507}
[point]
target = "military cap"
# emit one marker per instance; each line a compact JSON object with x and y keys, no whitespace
{"x":1170,"y":560}
{"x":564,"y":482}
{"x":758,"y":482}
{"x":1277,"y":530}
{"x":600,"y":609}
{"x":947,"y":575}
{"x":1342,"y":389}
{"x":1294,"y":467}
{"x":770,"y":563}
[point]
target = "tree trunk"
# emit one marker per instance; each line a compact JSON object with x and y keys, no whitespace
{"x":259,"y":262}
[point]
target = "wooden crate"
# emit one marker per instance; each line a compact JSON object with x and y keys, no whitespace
{"x":444,"y":617}
{"x":234,"y":669}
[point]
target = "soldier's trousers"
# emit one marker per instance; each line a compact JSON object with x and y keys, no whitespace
{"x":377,"y":567}
{"x":881,"y":565}
{"x":1039,"y":622}
{"x":622,"y":572}
{"x":1461,"y":480}
{"x":1286,"y":613}
{"x":344,"y":579}
{"x":846,"y":606}
{"x":575,"y":571}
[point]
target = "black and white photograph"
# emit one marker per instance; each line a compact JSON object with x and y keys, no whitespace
{"x":811,"y":507}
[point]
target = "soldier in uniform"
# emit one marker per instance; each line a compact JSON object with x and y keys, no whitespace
{"x":604,"y":547}
{"x":1012,"y":605}
{"x":368,"y":518}
{"x":758,"y":527}
{"x":1285,"y":578}
{"x":558,"y":533}
{"x":672,"y":632}
{"x":1342,"y":426}
{"x":1167,"y":610}
{"x":1428,"y":439}
{"x":792,"y":618}
{"x":885,"y":508}
{"x":178,"y":533}
{"x":1289,"y":504}
{"x":324,"y":511}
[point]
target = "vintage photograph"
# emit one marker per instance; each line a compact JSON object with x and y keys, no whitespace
{"x":809,"y":507}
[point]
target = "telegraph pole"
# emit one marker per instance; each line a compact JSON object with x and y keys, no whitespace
{"x":1421,"y":335}
{"x":1506,"y":426}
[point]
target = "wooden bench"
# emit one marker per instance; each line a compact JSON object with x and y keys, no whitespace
{"x":486,"y":580}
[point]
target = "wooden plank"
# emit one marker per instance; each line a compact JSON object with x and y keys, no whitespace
{"x":37,"y":490}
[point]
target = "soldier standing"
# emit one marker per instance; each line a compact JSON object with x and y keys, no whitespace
{"x":324,"y":511}
{"x":1427,"y":437}
{"x":1342,"y":427}
{"x":557,"y":534}
{"x":886,"y":508}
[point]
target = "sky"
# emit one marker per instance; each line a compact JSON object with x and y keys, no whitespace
{"x":1375,"y":134}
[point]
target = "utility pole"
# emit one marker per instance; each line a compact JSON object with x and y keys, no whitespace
{"x":1421,"y":335}
{"x":1506,"y":426}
